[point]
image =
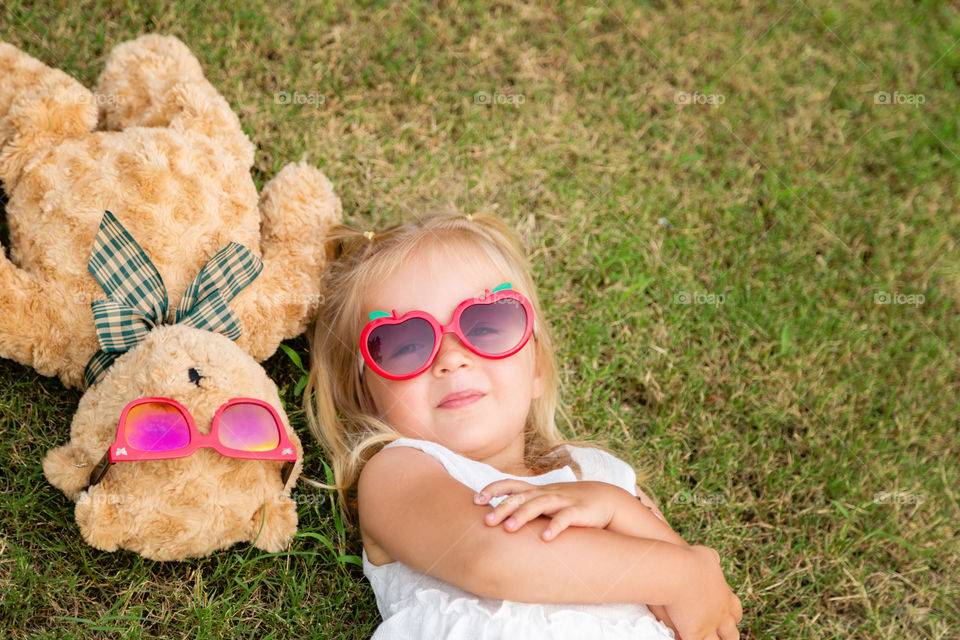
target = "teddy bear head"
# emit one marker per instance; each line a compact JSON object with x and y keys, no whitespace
{"x":177,"y":508}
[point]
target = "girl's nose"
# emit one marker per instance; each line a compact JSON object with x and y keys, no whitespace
{"x":453,"y":355}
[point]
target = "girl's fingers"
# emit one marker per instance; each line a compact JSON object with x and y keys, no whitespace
{"x":499,"y":488}
{"x":541,"y":505}
{"x":506,"y":508}
{"x":561,"y":520}
{"x":516,"y":510}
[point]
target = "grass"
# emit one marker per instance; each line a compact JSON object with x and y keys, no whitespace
{"x":714,"y":268}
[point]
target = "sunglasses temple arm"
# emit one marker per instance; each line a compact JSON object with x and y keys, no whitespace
{"x":285,"y":472}
{"x":100,"y":470}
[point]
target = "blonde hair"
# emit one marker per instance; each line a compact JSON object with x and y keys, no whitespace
{"x":342,"y":414}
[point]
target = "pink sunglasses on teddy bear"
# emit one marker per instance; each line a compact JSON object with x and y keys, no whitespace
{"x":163,"y":429}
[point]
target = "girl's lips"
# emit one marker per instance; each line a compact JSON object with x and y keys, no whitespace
{"x":460,"y":399}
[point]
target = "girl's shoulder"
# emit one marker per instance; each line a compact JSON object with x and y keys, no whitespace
{"x":599,"y":465}
{"x":392,"y":458}
{"x":379,"y":474}
{"x":401,"y":492}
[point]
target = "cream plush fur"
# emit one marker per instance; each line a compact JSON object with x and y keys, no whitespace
{"x":161,"y":149}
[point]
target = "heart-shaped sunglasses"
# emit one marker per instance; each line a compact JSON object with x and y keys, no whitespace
{"x":163,"y":429}
{"x":495,"y":325}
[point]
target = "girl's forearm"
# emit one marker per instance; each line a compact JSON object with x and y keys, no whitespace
{"x":632,"y":518}
{"x":581,"y":566}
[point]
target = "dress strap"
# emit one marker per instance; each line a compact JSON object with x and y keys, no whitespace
{"x":597,"y":464}
{"x":475,"y":474}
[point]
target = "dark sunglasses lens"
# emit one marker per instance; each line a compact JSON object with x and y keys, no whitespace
{"x":402,"y":348}
{"x":496,"y":327}
{"x":155,"y":426}
{"x":248,"y":427}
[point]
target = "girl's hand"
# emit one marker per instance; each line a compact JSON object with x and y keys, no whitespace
{"x":709,"y":610}
{"x":582,"y":504}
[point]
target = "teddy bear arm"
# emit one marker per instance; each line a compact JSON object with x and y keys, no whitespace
{"x":39,"y":107}
{"x":276,"y":307}
{"x":38,"y":325}
{"x":298,"y":207}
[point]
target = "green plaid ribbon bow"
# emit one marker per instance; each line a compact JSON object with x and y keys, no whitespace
{"x":137,"y":299}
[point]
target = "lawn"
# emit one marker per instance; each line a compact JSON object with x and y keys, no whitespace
{"x":743,"y":220}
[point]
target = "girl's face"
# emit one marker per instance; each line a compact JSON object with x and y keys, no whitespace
{"x":472,"y":405}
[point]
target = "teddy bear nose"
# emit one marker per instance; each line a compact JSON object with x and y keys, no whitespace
{"x":195,"y":376}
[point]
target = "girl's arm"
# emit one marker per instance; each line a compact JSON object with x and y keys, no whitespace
{"x":638,"y":517}
{"x":659,"y":610}
{"x":412,"y":509}
{"x":582,"y":504}
{"x":666,"y":530}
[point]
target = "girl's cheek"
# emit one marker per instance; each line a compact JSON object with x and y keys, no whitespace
{"x":407,"y":397}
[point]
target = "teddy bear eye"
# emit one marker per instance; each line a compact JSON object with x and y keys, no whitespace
{"x":194,"y":376}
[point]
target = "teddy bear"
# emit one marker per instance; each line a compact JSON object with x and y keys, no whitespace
{"x":144,"y":267}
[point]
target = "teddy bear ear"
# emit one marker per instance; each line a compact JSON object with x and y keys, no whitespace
{"x":273,"y":525}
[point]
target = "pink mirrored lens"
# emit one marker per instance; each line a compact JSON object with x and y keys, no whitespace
{"x":496,"y":327}
{"x":154,"y":426}
{"x":248,"y":427}
{"x":402,"y":348}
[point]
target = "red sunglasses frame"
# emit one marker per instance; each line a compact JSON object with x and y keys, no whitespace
{"x":440,"y":330}
{"x":283,"y":452}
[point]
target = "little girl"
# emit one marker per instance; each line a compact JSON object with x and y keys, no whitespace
{"x":435,"y":387}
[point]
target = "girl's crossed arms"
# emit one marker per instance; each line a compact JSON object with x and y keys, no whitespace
{"x":618,"y":551}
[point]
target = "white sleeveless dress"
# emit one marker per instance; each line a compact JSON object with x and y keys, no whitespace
{"x":417,"y":606}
